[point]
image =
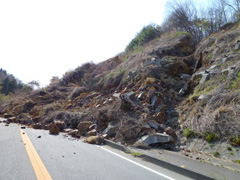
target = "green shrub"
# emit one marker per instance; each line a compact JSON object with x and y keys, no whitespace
{"x":234,"y":141}
{"x":236,"y":82}
{"x":180,"y":33}
{"x":210,"y":137}
{"x":237,"y":161}
{"x":229,"y":148}
{"x":216,"y":153}
{"x":135,"y":154}
{"x":188,"y":133}
{"x":147,"y":33}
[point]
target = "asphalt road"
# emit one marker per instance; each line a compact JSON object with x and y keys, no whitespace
{"x":66,"y":158}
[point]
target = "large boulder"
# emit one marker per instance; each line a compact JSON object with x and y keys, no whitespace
{"x":95,"y":140}
{"x":156,"y":138}
{"x":84,"y":126}
{"x":56,"y":127}
{"x":111,"y":130}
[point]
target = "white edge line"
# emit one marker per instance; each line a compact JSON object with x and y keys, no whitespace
{"x":149,"y":169}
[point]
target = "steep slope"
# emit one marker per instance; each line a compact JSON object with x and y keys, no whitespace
{"x":213,"y":107}
{"x":135,"y":92}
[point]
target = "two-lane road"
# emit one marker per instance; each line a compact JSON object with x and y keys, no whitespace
{"x":66,"y":158}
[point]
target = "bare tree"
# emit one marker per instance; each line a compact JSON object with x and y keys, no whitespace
{"x":235,"y":6}
{"x":183,"y":16}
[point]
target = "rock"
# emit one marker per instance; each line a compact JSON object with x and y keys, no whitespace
{"x":140,"y":144}
{"x":37,"y":126}
{"x":36,"y":119}
{"x":12,"y":119}
{"x":76,"y":92}
{"x":92,"y":133}
{"x":119,"y":137}
{"x":185,"y":76}
{"x":212,"y":67}
{"x":111,"y":130}
{"x":39,"y":136}
{"x":150,"y":95}
{"x":156,"y":138}
{"x":160,"y":117}
{"x":56,"y":127}
{"x":116,"y":95}
{"x":105,"y":136}
{"x":237,"y":46}
{"x":154,"y":124}
{"x":205,"y":77}
{"x":201,"y":97}
{"x":145,"y":127}
{"x":93,"y":126}
{"x":67,"y":130}
{"x":95,"y":140}
{"x":128,"y":95}
{"x":83,"y":127}
{"x":6,"y":115}
{"x":182,"y":91}
{"x":140,"y":96}
{"x":153,"y":101}
{"x":150,"y":81}
{"x":73,"y":133}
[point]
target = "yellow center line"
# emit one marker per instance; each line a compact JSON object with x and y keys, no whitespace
{"x":38,"y":166}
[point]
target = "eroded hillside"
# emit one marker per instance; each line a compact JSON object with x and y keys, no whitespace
{"x":159,"y":89}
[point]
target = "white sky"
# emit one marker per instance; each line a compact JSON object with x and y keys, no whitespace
{"x":44,"y":38}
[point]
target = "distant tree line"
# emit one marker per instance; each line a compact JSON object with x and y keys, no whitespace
{"x":8,"y":83}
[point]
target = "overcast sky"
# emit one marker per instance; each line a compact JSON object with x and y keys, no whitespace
{"x":40,"y":39}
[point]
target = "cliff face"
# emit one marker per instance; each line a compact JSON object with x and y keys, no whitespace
{"x":163,"y":87}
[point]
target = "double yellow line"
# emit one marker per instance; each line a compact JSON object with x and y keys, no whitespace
{"x":38,"y":166}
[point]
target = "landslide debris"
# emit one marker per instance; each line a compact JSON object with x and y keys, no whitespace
{"x":151,"y":93}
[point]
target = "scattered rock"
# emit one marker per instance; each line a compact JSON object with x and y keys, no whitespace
{"x":37,"y":126}
{"x":95,"y":140}
{"x":185,"y":76}
{"x":205,"y":77}
{"x":92,"y":133}
{"x":140,"y":144}
{"x":111,"y":130}
{"x":12,"y":119}
{"x":6,"y":115}
{"x":153,"y":124}
{"x":55,"y":127}
{"x":73,"y":133}
{"x":83,"y":127}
